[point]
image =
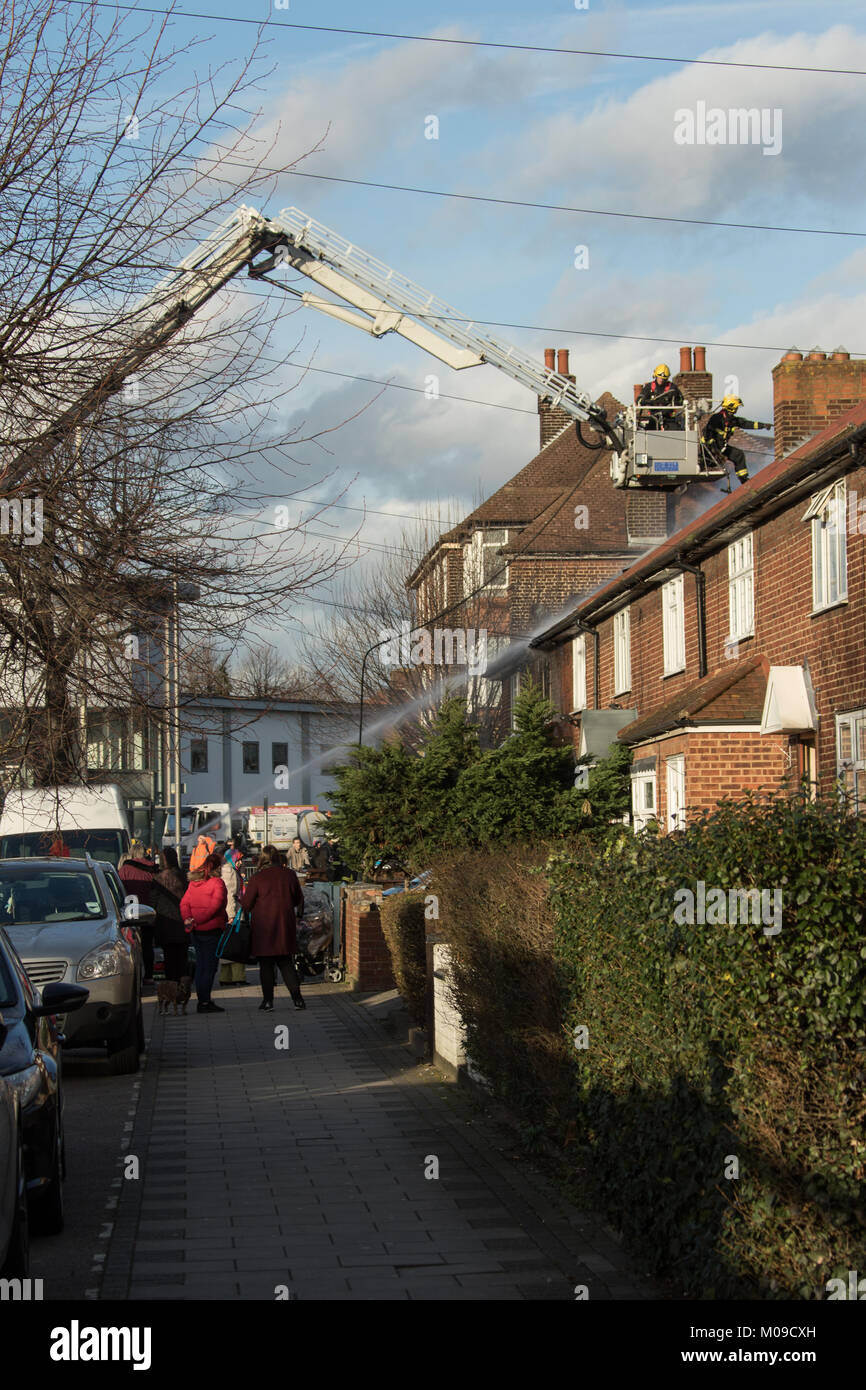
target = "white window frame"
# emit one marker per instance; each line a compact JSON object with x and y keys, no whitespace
{"x":851,"y":770}
{"x":741,"y":589}
{"x":622,"y":651}
{"x":827,"y":513}
{"x":484,"y":692}
{"x":474,"y":559}
{"x":674,"y":625}
{"x":514,"y":691}
{"x":641,"y":813}
{"x":675,"y":771}
{"x":578,"y":673}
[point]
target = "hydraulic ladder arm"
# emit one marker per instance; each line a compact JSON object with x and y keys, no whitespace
{"x":379,"y":300}
{"x":154,"y":320}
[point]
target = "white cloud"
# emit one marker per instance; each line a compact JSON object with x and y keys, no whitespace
{"x":625,"y":147}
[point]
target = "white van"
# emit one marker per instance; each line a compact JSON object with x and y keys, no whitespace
{"x":67,"y":821}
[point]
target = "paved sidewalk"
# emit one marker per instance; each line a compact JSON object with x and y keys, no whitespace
{"x":305,"y":1168}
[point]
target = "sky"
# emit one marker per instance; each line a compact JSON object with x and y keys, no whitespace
{"x":593,"y":133}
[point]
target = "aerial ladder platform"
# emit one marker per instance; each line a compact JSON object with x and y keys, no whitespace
{"x":370,"y":295}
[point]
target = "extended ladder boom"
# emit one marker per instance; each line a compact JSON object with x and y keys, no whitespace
{"x":392,"y":303}
{"x":156,"y":318}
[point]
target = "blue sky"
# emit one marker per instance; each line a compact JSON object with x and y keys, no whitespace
{"x":551,"y":128}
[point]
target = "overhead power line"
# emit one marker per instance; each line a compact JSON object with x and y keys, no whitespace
{"x":563,"y":207}
{"x":177,"y":13}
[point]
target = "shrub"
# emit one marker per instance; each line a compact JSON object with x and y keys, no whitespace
{"x":707,"y":1042}
{"x":405,"y":928}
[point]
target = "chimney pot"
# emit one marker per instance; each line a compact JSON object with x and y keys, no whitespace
{"x":550,"y":359}
{"x":685,"y":359}
{"x":816,"y":355}
{"x":700,"y":359}
{"x":840,"y":355}
{"x":793,"y":355}
{"x":562,"y":366}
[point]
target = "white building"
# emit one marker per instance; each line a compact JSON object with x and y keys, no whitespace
{"x":242,"y":750}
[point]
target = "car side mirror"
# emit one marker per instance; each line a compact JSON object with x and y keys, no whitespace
{"x":137,"y":912}
{"x":60,"y":998}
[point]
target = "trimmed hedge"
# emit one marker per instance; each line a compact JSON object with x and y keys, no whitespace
{"x":405,"y":929}
{"x":707,"y":1043}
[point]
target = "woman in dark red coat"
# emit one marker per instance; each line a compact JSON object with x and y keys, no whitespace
{"x":274,"y":901}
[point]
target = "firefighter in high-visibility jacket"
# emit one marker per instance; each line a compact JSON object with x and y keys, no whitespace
{"x":715,"y":448}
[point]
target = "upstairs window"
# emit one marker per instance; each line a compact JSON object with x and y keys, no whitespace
{"x":482,"y":564}
{"x":741,"y":590}
{"x":674,"y":626}
{"x":578,"y":673}
{"x":827,"y":514}
{"x":622,"y":652}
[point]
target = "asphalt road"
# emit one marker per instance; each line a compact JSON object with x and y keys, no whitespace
{"x":97,"y":1109}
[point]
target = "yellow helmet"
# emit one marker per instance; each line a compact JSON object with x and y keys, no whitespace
{"x":732,"y":403}
{"x":662,"y":370}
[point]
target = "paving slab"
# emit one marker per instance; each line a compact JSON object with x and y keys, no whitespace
{"x":306,"y":1169}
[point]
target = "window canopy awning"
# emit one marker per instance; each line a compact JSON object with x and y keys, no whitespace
{"x":599,"y":728}
{"x":789,"y":704}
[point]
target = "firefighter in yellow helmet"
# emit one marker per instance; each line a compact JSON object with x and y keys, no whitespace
{"x":661,"y":391}
{"x":715,"y":449}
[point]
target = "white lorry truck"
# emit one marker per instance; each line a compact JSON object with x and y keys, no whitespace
{"x":281,"y":824}
{"x":66,"y":821}
{"x":207,"y":818}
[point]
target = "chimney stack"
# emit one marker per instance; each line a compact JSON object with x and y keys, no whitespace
{"x":693,"y":379}
{"x":810,"y":392}
{"x":552,"y":418}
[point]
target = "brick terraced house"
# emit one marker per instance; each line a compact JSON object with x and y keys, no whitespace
{"x":554,"y":532}
{"x":731,"y":656}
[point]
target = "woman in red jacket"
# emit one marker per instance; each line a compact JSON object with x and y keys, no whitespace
{"x":203,"y":909}
{"x":273,"y":898}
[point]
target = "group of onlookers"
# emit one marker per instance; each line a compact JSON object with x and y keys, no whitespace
{"x":195,"y":908}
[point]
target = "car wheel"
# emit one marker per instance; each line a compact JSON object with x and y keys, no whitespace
{"x":46,"y":1206}
{"x":123,"y":1054}
{"x":17,"y":1262}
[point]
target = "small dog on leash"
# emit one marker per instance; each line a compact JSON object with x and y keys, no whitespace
{"x":173,"y":992}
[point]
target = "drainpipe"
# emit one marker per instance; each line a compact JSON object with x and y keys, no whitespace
{"x":702,"y":612}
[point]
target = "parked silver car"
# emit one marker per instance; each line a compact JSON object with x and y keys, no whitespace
{"x":68,"y":921}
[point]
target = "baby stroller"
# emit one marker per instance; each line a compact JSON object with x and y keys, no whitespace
{"x":315,"y":936}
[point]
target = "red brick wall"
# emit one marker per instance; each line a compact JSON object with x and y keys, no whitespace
{"x":368,"y":960}
{"x":809,"y":393}
{"x":786,"y":631}
{"x":718,"y":765}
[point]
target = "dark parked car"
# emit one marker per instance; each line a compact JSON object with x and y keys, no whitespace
{"x":32,"y":1162}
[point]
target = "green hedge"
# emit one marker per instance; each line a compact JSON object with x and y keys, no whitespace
{"x":706,"y":1042}
{"x":405,"y":929}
